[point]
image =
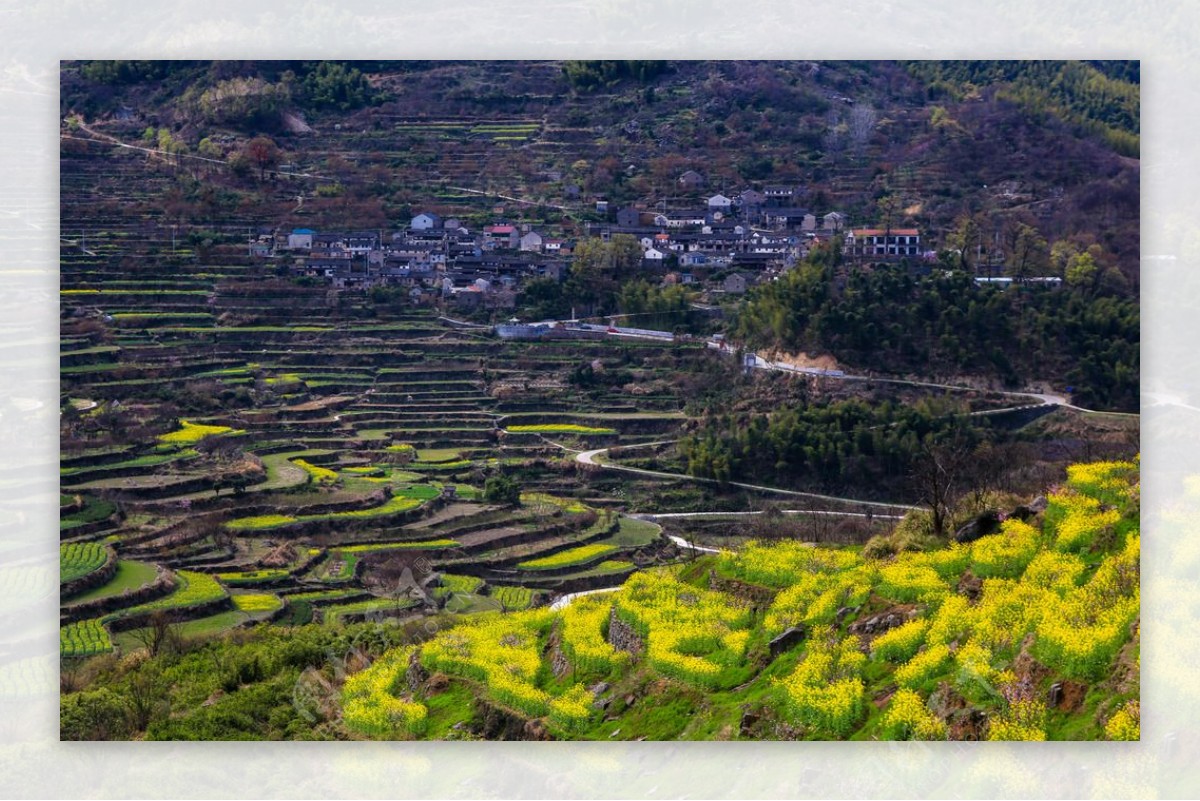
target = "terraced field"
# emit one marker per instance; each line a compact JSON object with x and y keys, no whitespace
{"x":282,"y":444}
{"x":77,"y":560}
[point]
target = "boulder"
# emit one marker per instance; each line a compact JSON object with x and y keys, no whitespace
{"x":970,"y":585}
{"x":1022,"y":513}
{"x":536,"y":730}
{"x":986,"y":523}
{"x":749,"y":721}
{"x":787,"y":640}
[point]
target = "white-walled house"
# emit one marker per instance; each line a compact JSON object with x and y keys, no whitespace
{"x":719,"y":203}
{"x":532,"y":242}
{"x":300,"y":239}
{"x":834,"y":221}
{"x":425,"y":221}
{"x":735,"y":284}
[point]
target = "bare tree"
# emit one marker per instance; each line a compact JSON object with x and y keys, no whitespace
{"x":936,"y":477}
{"x":835,"y":134}
{"x":821,"y":525}
{"x":158,"y":634}
{"x":862,"y":125}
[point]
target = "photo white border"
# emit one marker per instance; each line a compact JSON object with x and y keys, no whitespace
{"x":38,"y":35}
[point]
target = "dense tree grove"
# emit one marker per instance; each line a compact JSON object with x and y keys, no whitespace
{"x":243,"y":101}
{"x":118,"y":72}
{"x":587,"y":75}
{"x":334,"y":84}
{"x":1103,"y":99}
{"x":651,"y":306}
{"x":1081,"y":336}
{"x":596,"y":284}
{"x":829,"y":446}
{"x":502,"y":489}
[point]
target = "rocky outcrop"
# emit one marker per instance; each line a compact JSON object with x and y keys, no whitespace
{"x":988,"y":522}
{"x":559,"y":664}
{"x":622,"y":636}
{"x":753,"y":593}
{"x":969,"y":585}
{"x":1067,"y":695}
{"x":884,"y":621}
{"x":416,"y":675}
{"x":496,"y":723}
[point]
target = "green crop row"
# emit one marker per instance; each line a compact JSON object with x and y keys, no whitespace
{"x":452,"y":584}
{"x":419,"y":492}
{"x":559,"y":428}
{"x":335,"y":613}
{"x":513,"y":598}
{"x":393,"y":505}
{"x":568,"y":558}
{"x":78,"y":559}
{"x":84,"y":638}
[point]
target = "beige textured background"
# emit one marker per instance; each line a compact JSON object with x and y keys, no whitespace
{"x":36,"y":35}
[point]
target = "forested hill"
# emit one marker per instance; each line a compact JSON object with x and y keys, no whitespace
{"x":1046,"y":144}
{"x":1101,"y":97}
{"x":1084,"y":336}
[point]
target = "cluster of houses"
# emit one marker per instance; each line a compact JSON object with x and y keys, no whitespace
{"x":755,"y":232}
{"x":725,"y":245}
{"x":433,"y":259}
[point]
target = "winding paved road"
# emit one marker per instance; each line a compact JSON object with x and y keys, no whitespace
{"x":589,"y":458}
{"x":653,"y":516}
{"x":563,"y":600}
{"x":682,"y":543}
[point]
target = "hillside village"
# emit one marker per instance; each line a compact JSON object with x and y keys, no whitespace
{"x":721,"y":248}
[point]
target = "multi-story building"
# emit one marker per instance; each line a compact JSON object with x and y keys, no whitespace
{"x":883,"y":243}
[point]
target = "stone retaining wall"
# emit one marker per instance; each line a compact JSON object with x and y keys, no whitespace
{"x":163,"y":584}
